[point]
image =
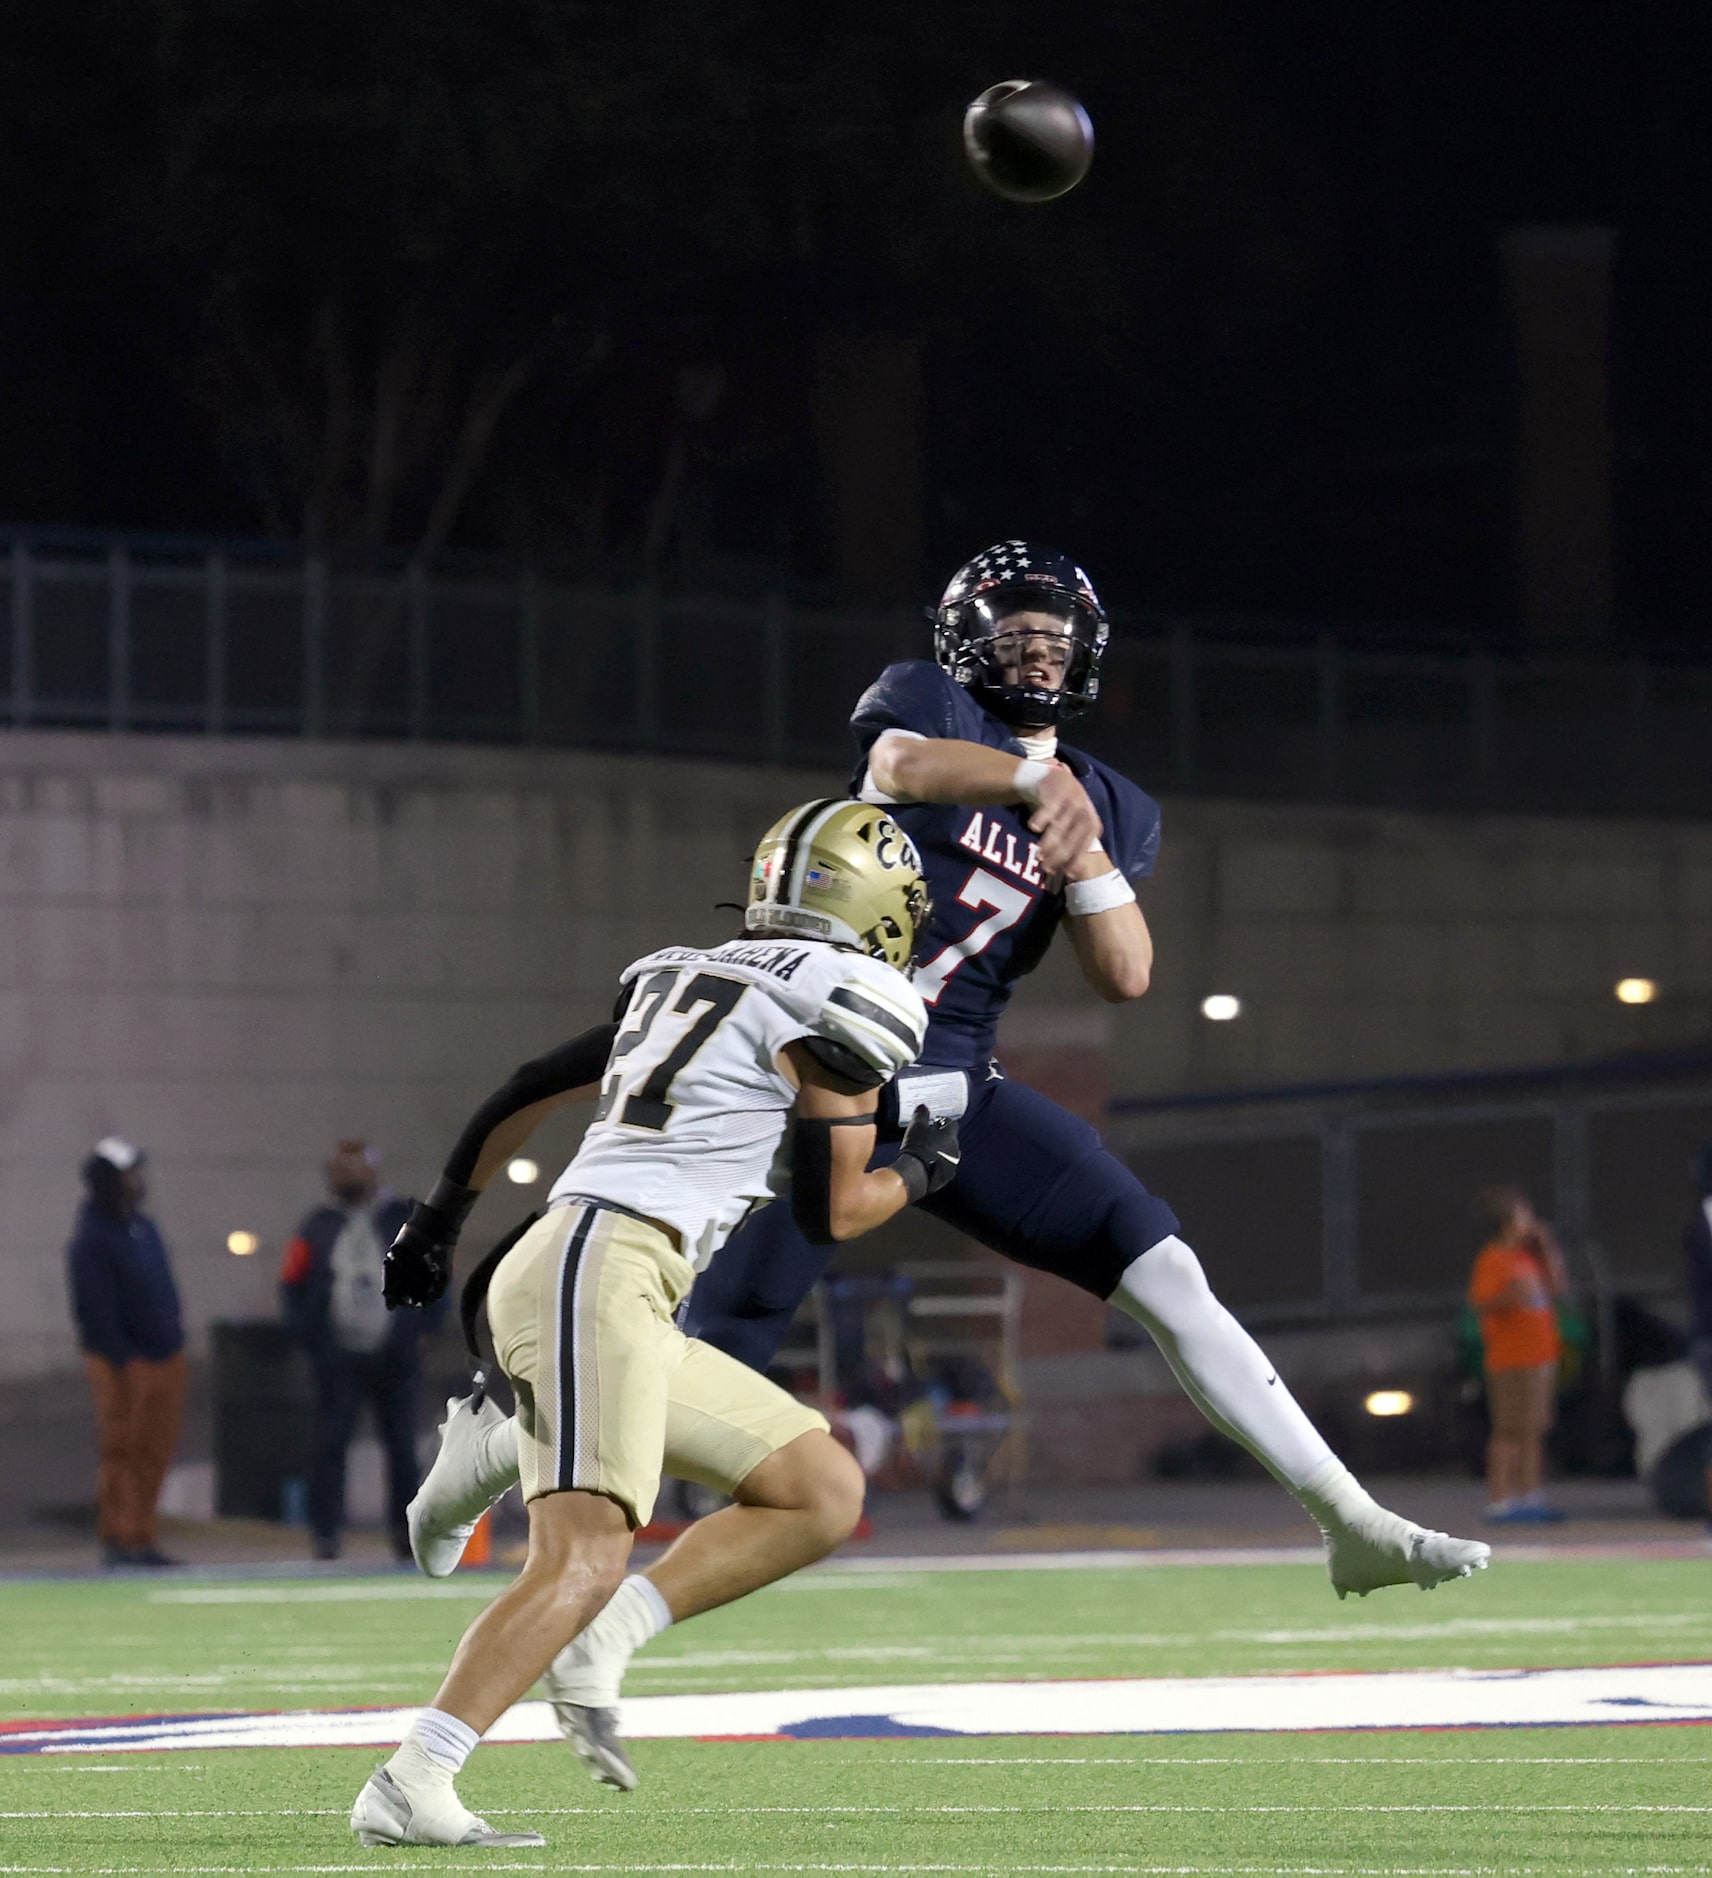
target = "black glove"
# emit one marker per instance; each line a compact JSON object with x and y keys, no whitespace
{"x":928,"y":1159}
{"x":418,"y":1263}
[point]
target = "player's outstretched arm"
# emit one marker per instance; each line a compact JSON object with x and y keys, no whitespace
{"x":834,"y":1194}
{"x":908,"y":768}
{"x":1107,"y":929}
{"x":418,"y":1264}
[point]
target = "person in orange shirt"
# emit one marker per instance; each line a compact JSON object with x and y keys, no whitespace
{"x":1517,"y":1279}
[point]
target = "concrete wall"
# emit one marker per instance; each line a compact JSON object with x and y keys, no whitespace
{"x":237,"y":951}
{"x":1369,"y":943}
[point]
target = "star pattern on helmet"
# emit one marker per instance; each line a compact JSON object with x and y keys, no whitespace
{"x":1000,"y":562}
{"x":1019,"y":564}
{"x":996,"y":566}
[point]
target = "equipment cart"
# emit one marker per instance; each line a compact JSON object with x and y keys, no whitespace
{"x":934,"y":1346}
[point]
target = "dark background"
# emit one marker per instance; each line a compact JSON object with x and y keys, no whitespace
{"x":563,"y":281}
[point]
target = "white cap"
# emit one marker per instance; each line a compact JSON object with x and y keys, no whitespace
{"x":118,"y":1153}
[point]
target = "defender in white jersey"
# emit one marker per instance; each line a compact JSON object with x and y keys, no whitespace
{"x":732,"y":1076}
{"x":693,"y":1109}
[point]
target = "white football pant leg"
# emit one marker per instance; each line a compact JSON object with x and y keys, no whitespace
{"x":1225,"y":1374}
{"x":1222,"y":1369}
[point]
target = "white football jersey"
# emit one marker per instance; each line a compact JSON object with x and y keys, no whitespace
{"x":693,"y":1107}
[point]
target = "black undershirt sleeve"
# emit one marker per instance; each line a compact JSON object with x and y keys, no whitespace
{"x":572,"y":1065}
{"x":811,"y":1173}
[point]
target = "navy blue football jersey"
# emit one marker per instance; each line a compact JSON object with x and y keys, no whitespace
{"x":993,"y":916}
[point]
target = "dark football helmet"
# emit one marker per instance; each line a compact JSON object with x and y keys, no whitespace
{"x":970,"y":624}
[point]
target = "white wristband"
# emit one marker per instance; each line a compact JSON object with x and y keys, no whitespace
{"x":1028,"y":778}
{"x":1098,"y":895}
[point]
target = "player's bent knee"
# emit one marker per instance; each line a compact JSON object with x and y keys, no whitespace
{"x":1165,"y":1275}
{"x":842,"y":1490}
{"x":814,"y":1475}
{"x":581,"y":1537}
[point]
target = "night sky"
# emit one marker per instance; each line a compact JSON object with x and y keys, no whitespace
{"x":553,"y":280}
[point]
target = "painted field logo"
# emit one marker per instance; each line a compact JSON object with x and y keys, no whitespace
{"x":1506,"y":1698}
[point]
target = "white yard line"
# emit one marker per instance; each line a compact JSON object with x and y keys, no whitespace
{"x":1046,"y":1809}
{"x":1299,"y":1760}
{"x":546,"y":1863}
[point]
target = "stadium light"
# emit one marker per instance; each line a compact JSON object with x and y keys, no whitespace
{"x":242,"y":1244}
{"x":1221,"y":1007}
{"x":1389,"y":1402}
{"x":1636,"y":990}
{"x":523,"y":1171}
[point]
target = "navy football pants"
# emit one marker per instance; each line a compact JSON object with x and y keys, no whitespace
{"x":1035,"y":1184}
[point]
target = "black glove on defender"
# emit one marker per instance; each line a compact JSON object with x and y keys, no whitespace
{"x":928,"y":1159}
{"x":418,"y":1263}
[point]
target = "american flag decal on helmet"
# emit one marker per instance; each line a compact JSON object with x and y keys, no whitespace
{"x":1014,"y":564}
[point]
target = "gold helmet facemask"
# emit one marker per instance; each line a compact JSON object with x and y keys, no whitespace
{"x":841,"y":871}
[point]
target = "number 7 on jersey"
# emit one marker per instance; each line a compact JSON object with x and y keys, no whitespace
{"x":981,"y":889}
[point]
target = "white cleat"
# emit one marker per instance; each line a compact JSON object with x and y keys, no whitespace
{"x":457,"y":1490}
{"x":1380,"y":1548}
{"x":582,"y":1683}
{"x":593,"y":1732}
{"x":386,"y":1815}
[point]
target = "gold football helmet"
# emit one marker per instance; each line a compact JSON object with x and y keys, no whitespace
{"x":841,"y":871}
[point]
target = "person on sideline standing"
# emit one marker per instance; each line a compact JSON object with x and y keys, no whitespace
{"x":1697,"y":1249}
{"x":330,"y":1291}
{"x":129,"y":1328}
{"x":1517,"y":1279}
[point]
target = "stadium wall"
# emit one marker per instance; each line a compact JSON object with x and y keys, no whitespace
{"x":236,"y":951}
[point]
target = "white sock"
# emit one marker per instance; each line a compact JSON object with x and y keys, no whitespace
{"x":589,"y":1670}
{"x":634,"y":1615}
{"x":1334,"y":1496}
{"x":496,"y":1457}
{"x":1221,"y":1367}
{"x":442,"y":1738}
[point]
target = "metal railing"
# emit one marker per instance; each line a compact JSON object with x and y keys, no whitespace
{"x":1352,"y":1201}
{"x":132,"y":634}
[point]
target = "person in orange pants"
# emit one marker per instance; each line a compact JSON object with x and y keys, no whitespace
{"x":1517,"y":1279}
{"x":128,"y":1321}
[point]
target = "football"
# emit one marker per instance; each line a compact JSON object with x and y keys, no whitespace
{"x":1028,"y":140}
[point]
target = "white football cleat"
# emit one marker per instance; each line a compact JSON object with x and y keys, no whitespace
{"x":1378,"y":1548}
{"x":582,"y":1683}
{"x":385,"y":1814}
{"x":460,"y":1487}
{"x":593,"y":1732}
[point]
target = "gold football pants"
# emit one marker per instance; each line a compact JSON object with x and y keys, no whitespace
{"x":610,"y":1393}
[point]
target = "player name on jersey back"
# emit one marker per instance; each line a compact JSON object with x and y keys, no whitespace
{"x":781,"y":959}
{"x":692,"y":1111}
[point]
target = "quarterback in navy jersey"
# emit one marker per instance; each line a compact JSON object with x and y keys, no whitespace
{"x":998,"y":907}
{"x":1018,"y":835}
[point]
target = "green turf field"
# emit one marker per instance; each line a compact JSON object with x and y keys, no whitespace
{"x":1535,"y":1799}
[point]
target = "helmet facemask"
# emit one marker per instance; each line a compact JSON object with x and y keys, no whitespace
{"x":981,"y":642}
{"x":894,"y":937}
